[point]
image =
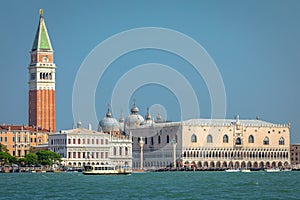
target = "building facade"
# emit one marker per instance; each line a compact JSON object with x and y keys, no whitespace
{"x":210,"y":143}
{"x":41,"y":71}
{"x":19,"y":139}
{"x":295,"y":155}
{"x":79,"y":147}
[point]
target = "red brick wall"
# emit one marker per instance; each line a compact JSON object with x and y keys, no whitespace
{"x":42,"y":109}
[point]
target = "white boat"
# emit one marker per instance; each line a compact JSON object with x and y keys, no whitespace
{"x":232,"y":170}
{"x":272,"y":170}
{"x":105,"y":170}
{"x":245,"y":170}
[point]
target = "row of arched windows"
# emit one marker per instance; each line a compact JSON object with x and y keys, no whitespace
{"x":121,"y":151}
{"x":238,"y":141}
{"x":87,"y":141}
{"x":158,"y":140}
{"x":230,"y":154}
{"x":46,"y":76}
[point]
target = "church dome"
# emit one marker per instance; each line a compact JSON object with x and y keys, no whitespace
{"x":134,"y":119}
{"x":109,"y":124}
{"x":148,"y":121}
{"x":134,"y":109}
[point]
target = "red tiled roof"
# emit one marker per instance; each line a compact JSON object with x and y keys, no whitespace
{"x":20,"y":127}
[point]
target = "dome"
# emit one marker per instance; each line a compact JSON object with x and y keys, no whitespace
{"x":108,"y":123}
{"x":134,"y":119}
{"x":148,"y":121}
{"x":134,"y":109}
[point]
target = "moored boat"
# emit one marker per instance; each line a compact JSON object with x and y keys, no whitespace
{"x":232,"y":170}
{"x":272,"y":170}
{"x":105,"y":170}
{"x":245,"y":170}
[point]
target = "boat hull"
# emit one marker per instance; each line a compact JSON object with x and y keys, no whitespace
{"x":106,"y":173}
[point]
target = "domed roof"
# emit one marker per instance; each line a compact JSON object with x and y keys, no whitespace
{"x":148,"y":121}
{"x":134,"y":109}
{"x":108,"y":123}
{"x":134,"y":119}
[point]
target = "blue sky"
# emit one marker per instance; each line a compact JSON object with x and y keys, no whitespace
{"x":255,"y":45}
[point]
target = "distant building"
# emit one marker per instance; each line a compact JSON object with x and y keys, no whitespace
{"x":208,"y":143}
{"x":41,"y":71}
{"x":295,"y":155}
{"x":79,"y":147}
{"x":19,"y":139}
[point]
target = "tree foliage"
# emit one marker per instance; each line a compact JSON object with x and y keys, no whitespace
{"x":46,"y":157}
{"x":31,"y":159}
{"x":3,"y":148}
{"x":6,"y":158}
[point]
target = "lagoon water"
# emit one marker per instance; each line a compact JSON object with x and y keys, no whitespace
{"x":159,"y":185}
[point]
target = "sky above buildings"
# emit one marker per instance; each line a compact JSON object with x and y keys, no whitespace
{"x":254,"y":45}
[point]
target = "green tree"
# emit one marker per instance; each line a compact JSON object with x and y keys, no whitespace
{"x":46,"y":157}
{"x":22,"y":161}
{"x":6,"y":158}
{"x":3,"y":148}
{"x":31,"y":159}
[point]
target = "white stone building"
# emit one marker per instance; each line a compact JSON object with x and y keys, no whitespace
{"x":208,"y":143}
{"x":79,"y":147}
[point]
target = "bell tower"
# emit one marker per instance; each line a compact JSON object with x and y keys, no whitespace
{"x":41,"y":71}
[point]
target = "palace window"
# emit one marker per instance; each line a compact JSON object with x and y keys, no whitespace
{"x":120,"y":151}
{"x":126,"y":151}
{"x":115,"y":151}
{"x":266,"y":141}
{"x":281,"y":141}
{"x":159,"y":139}
{"x":78,"y":141}
{"x":251,"y":139}
{"x":152,"y":141}
{"x":225,"y":139}
{"x":74,"y":141}
{"x":194,"y":138}
{"x":146,"y":140}
{"x":209,"y":139}
{"x":168,"y":139}
{"x":238,"y":141}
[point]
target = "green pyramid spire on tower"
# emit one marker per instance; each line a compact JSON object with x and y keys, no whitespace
{"x":41,"y":39}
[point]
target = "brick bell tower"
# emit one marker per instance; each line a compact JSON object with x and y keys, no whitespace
{"x":41,"y":71}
